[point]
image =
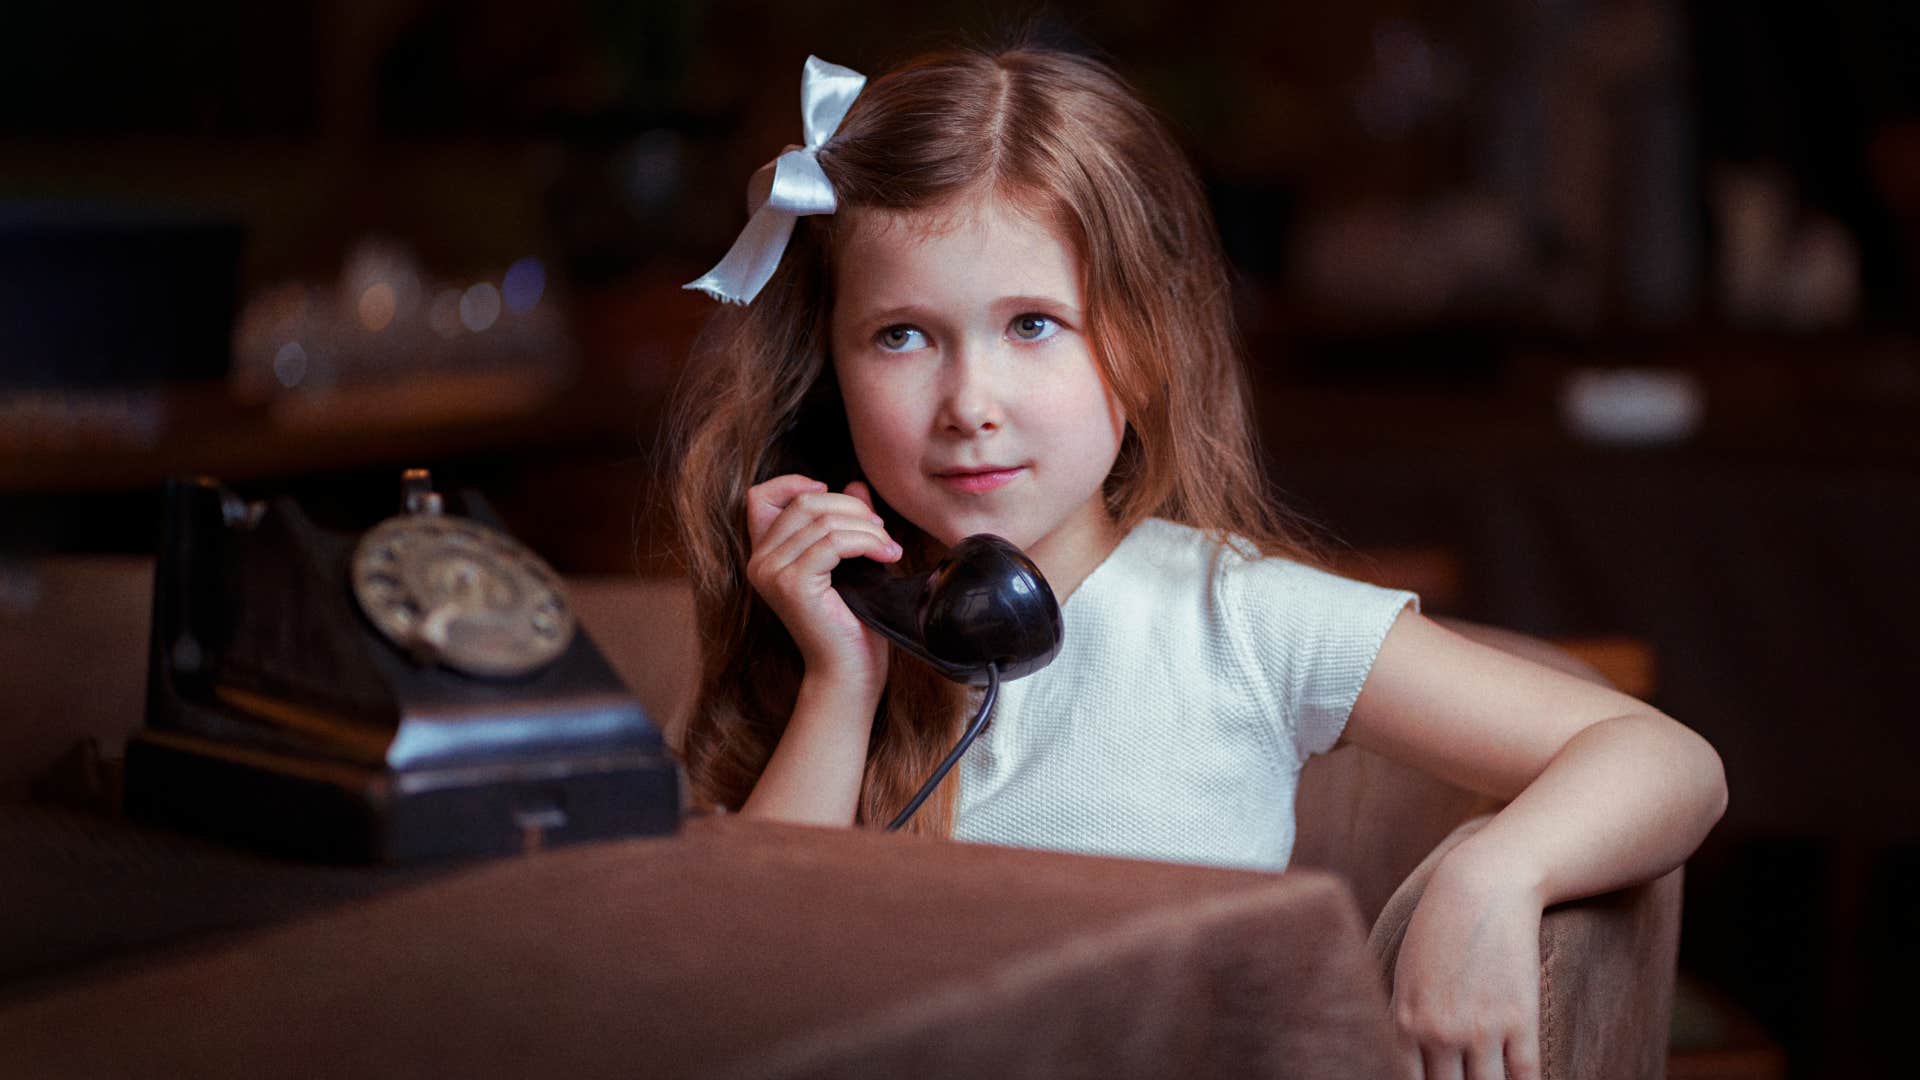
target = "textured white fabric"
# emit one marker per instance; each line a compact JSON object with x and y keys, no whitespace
{"x":1192,"y":685}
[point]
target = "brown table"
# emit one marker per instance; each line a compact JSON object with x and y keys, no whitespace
{"x":731,"y":949}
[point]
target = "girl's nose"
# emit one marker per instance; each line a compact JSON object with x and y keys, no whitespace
{"x":973,"y":400}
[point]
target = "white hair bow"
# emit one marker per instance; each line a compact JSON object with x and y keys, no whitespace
{"x":786,"y":188}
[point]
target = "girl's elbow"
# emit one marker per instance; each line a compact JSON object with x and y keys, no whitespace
{"x":1716,"y":776}
{"x":1708,"y":772}
{"x":1695,"y":779}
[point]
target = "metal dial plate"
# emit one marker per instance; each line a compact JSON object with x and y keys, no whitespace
{"x":452,"y":590}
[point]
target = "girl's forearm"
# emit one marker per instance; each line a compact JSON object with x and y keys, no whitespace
{"x":1624,"y":801}
{"x":815,"y":772}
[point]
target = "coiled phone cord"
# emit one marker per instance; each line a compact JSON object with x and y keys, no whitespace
{"x":973,"y":731}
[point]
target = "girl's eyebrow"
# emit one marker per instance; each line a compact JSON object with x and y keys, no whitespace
{"x":1007,"y":304}
{"x":1043,"y":303}
{"x":901,"y":313}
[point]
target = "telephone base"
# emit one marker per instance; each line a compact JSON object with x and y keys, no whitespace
{"x":340,"y":812}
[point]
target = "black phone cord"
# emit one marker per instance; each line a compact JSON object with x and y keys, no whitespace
{"x":973,"y":731}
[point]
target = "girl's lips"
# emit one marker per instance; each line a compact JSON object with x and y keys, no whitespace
{"x":973,"y":483}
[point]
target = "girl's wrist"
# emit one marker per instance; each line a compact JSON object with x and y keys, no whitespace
{"x":838,"y":690}
{"x":1484,"y":866}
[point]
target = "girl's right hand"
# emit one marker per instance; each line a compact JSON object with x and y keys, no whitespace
{"x":799,"y":531}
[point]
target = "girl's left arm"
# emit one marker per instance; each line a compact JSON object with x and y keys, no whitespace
{"x":1604,"y":791}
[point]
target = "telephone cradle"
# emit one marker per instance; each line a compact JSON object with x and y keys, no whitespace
{"x":412,"y":690}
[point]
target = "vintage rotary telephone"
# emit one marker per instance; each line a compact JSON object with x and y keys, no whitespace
{"x":419,"y":689}
{"x":982,"y":615}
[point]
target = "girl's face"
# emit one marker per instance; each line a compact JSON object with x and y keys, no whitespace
{"x":959,"y":340}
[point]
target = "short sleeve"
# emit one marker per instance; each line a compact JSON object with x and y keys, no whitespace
{"x":1310,"y":639}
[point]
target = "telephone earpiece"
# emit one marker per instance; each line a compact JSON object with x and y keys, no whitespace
{"x":985,"y":604}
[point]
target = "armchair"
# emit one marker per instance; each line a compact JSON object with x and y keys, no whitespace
{"x":1607,"y":962}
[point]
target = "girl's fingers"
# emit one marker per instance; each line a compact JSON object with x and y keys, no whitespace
{"x":798,"y":550}
{"x":1523,"y":1058}
{"x":1486,"y":1063}
{"x":811,"y":508}
{"x":1411,"y":1065}
{"x":790,"y":573}
{"x":1442,"y":1064}
{"x":766,"y":500}
{"x":830,"y":550}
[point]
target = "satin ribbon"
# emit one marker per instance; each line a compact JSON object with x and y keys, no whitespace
{"x":785,"y":189}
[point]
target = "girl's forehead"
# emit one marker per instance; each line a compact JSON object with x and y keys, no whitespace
{"x":883,"y":225}
{"x":968,"y":253}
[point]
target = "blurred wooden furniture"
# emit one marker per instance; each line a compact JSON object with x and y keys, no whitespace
{"x":1714,"y":1039}
{"x":1439,"y":575}
{"x":73,"y":647}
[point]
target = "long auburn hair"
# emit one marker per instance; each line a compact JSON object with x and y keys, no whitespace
{"x":1065,"y":138}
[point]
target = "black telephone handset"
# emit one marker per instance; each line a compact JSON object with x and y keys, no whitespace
{"x":984,"y":604}
{"x":984,"y":614}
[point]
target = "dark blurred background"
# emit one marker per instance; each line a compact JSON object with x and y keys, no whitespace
{"x":1592,"y":318}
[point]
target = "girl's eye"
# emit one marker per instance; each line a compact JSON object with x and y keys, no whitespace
{"x":1033,"y":327}
{"x":900,"y":338}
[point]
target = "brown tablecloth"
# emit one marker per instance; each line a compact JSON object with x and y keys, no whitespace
{"x":732,"y":949}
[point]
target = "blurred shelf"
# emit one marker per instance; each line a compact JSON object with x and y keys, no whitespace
{"x":1828,"y":398}
{"x":632,"y":336}
{"x":201,"y":430}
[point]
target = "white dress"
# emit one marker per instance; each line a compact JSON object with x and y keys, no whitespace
{"x":1192,"y":685}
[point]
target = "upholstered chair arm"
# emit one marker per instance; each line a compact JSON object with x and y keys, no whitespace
{"x":1606,"y":971}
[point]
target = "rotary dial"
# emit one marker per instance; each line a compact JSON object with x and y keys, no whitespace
{"x":452,"y":590}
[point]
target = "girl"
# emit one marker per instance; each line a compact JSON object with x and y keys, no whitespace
{"x":994,"y":302}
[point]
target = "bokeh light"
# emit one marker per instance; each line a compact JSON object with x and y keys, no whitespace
{"x":480,"y":306}
{"x":378,"y":302}
{"x":290,"y":364}
{"x":380,"y":283}
{"x":524,"y":284}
